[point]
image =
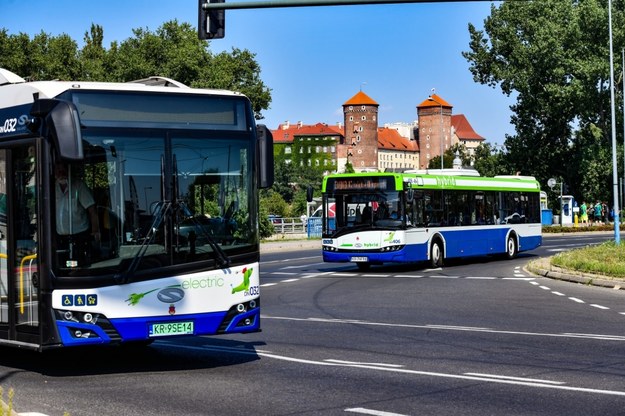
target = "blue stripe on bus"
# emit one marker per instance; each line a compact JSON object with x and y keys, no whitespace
{"x":458,"y":243}
{"x":136,"y":329}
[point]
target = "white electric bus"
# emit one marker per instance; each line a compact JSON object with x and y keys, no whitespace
{"x":427,"y":216}
{"x":173,"y":248}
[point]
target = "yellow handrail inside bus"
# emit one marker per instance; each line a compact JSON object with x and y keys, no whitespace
{"x":24,"y":259}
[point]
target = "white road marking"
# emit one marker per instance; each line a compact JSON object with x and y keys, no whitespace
{"x":534,"y":380}
{"x":359,"y":363}
{"x":598,"y":306}
{"x":302,"y":266}
{"x":487,"y":378}
{"x":619,"y":338}
{"x":371,"y":412}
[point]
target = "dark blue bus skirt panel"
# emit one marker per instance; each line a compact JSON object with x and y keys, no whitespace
{"x":413,"y":253}
{"x":136,"y":329}
{"x":457,"y":243}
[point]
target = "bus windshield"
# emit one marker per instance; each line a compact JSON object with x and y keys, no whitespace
{"x":161,"y":198}
{"x":364,"y":210}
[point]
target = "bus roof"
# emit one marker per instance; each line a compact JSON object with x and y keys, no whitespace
{"x":416,"y":181}
{"x":16,"y":91}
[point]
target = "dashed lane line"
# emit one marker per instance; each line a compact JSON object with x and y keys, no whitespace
{"x":574,"y":299}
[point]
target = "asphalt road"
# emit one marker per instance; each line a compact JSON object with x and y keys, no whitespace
{"x":478,"y":337}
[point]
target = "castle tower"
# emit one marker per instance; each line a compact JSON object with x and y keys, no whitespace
{"x":361,"y":132}
{"x":434,"y":129}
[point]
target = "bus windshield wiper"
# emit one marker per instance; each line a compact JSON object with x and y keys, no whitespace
{"x":221,"y":258}
{"x":162,"y":208}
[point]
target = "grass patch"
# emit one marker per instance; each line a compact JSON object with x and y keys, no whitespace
{"x":606,"y":259}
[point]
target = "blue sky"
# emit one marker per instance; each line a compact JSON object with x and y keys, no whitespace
{"x":316,"y":58}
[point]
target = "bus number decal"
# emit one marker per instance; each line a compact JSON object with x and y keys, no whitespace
{"x":9,"y":126}
{"x":254,"y":290}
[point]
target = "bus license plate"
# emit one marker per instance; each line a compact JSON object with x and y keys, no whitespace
{"x":359,"y":259}
{"x":171,"y":328}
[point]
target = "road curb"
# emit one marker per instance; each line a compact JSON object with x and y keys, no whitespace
{"x":543,"y":267}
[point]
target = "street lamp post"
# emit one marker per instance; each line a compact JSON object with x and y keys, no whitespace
{"x":617,"y":237}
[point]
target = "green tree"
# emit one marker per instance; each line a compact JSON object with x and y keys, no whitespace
{"x":93,"y":55}
{"x":238,"y":71}
{"x":283,"y":177}
{"x":449,"y":156}
{"x":489,"y":161}
{"x":172,"y":51}
{"x":274,"y":204}
{"x":552,"y":57}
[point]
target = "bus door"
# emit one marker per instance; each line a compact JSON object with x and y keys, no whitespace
{"x":19,"y":298}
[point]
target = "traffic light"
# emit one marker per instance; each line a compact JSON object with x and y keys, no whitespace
{"x":211,"y":23}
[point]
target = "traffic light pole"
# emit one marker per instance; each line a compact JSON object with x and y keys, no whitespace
{"x":308,"y":3}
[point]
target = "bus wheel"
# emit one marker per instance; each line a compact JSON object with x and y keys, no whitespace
{"x":436,"y":254}
{"x":511,"y":247}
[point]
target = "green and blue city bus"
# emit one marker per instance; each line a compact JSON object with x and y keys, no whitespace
{"x":427,"y":216}
{"x":174,"y":174}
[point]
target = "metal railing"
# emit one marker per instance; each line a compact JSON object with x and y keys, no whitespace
{"x":311,"y":227}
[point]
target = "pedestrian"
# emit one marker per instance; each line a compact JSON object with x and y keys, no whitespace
{"x":583,"y":209}
{"x":598,"y":212}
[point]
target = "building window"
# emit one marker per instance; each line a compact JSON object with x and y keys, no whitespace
{"x":364,"y":118}
{"x":358,"y":138}
{"x":332,"y":149}
{"x":351,"y":118}
{"x":287,"y":150}
{"x":363,"y":108}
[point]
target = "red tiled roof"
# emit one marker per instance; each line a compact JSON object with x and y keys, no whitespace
{"x":286,"y":134}
{"x":391,"y":139}
{"x":463,"y":128}
{"x":434,"y":101}
{"x":360,"y":99}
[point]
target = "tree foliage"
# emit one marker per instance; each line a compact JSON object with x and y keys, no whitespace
{"x":553,"y":57}
{"x":172,"y":51}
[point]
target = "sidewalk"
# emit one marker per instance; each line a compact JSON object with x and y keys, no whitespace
{"x":289,"y":245}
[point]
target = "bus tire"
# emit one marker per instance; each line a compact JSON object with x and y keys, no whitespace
{"x":512,"y":248}
{"x":436,"y":253}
